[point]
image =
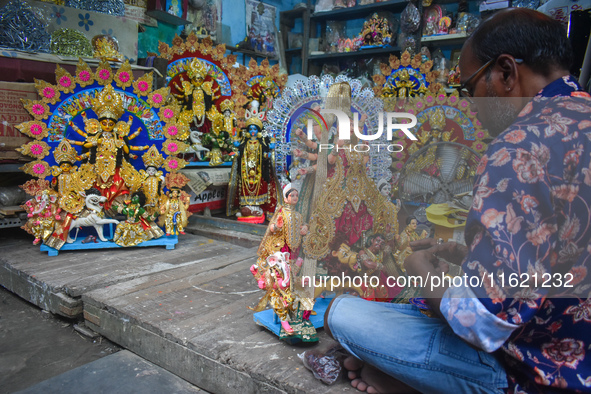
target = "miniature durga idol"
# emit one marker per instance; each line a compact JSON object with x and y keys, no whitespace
{"x":277,"y":267}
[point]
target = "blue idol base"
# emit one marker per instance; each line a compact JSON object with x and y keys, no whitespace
{"x":168,"y":241}
{"x":270,"y":320}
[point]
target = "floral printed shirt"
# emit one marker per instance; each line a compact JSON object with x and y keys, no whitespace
{"x":529,"y":237}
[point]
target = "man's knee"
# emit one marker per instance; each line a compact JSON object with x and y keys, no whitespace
{"x":326,"y":327}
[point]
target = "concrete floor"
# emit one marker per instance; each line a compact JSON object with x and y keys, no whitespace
{"x":36,"y":345}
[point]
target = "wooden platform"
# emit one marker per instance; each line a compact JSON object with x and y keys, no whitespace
{"x":183,"y":309}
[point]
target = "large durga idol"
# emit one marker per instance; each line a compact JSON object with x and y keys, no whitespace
{"x":198,"y":75}
{"x":97,"y":143}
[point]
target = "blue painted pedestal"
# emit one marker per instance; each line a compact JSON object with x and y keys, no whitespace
{"x":168,"y":241}
{"x":270,"y":320}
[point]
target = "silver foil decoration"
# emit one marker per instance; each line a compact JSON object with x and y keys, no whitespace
{"x":21,"y":28}
{"x":112,"y":7}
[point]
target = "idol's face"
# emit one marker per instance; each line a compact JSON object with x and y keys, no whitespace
{"x":377,"y":243}
{"x":135,"y":199}
{"x":65,"y":167}
{"x":385,"y":190}
{"x":252,"y":130}
{"x":293,"y":197}
{"x":413,"y":224}
{"x":107,"y":125}
{"x":151,"y":171}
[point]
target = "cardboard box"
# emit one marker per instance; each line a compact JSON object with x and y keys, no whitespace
{"x":13,"y":113}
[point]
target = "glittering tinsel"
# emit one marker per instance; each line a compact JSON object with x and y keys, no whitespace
{"x":21,"y":29}
{"x":69,"y":42}
{"x":113,"y":7}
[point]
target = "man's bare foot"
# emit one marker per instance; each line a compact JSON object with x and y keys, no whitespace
{"x":371,"y":380}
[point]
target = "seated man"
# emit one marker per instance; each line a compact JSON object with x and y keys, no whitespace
{"x":519,"y":321}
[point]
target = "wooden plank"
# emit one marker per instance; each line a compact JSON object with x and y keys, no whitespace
{"x":218,"y":328}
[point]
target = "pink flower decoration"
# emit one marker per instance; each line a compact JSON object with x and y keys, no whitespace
{"x":143,"y":86}
{"x":157,"y":98}
{"x":429,"y":99}
{"x":36,"y":149}
{"x":453,"y":99}
{"x":66,"y":81}
{"x":464,"y":104}
{"x":399,"y":165}
{"x":480,"y":135}
{"x":39,"y":169}
{"x":400,"y":134}
{"x":84,"y":76}
{"x":173,"y":130}
{"x":36,"y":129}
{"x":399,"y":155}
{"x":38,"y":109}
{"x":104,"y":74}
{"x":48,"y":92}
{"x":173,"y":147}
{"x":124,"y":76}
{"x":419,"y":105}
{"x":173,"y":164}
{"x":478,"y":146}
{"x":168,"y":113}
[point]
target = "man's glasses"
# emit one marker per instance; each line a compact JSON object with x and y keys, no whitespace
{"x":466,"y":90}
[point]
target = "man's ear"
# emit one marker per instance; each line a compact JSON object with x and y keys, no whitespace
{"x":509,"y":71}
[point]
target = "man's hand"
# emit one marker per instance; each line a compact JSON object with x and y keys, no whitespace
{"x":452,"y":252}
{"x":426,"y":262}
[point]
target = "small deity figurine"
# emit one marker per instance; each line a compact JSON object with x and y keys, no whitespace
{"x":280,"y":247}
{"x":252,"y":179}
{"x":454,"y":76}
{"x":219,"y":139}
{"x":107,"y":47}
{"x":286,"y":227}
{"x":152,"y":180}
{"x":229,"y":117}
{"x":264,"y":93}
{"x":371,"y":259}
{"x":42,"y":210}
{"x":274,"y":276}
{"x":64,"y":180}
{"x":408,"y":235}
{"x":425,"y":54}
{"x":436,"y":133}
{"x":430,"y":26}
{"x":175,"y":205}
{"x":444,"y":24}
{"x":376,"y":31}
{"x":139,"y":226}
{"x":405,"y":86}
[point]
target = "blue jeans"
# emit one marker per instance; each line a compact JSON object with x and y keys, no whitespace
{"x":421,"y":351}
